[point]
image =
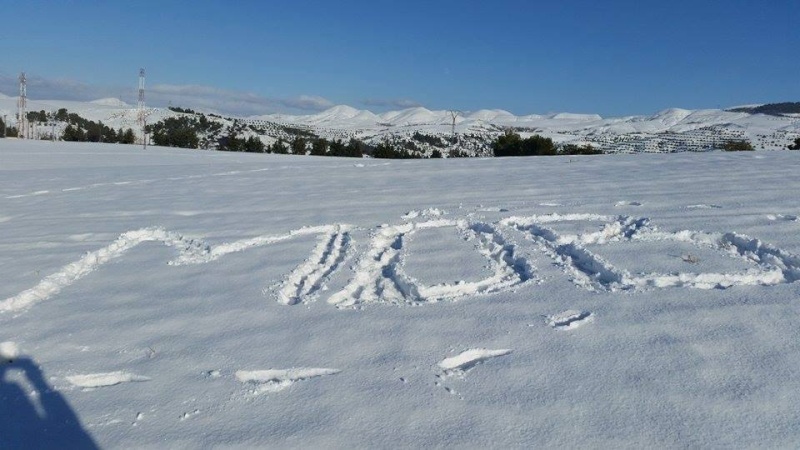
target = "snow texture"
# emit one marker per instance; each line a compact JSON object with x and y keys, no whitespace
{"x":275,"y":301}
{"x":468,"y":359}
{"x":96,"y":380}
{"x":275,"y":380}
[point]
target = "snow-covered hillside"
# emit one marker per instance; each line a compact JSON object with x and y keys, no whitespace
{"x":186,"y":299}
{"x":670,"y":130}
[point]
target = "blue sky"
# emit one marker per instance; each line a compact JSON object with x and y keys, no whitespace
{"x":608,"y":57}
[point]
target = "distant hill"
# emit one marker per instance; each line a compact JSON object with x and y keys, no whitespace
{"x":771,"y":109}
{"x":425,"y":132}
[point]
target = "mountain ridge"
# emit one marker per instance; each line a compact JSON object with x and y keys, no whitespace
{"x":671,"y":129}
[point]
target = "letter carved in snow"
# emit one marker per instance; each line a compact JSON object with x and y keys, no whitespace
{"x":379,"y":276}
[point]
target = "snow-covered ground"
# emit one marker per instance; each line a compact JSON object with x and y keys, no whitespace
{"x":191,"y":299}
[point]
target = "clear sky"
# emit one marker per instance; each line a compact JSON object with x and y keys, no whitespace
{"x":614,"y":57}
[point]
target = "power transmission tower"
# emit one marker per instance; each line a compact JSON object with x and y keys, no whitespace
{"x":22,"y":106}
{"x":454,"y":114}
{"x":142,"y":114}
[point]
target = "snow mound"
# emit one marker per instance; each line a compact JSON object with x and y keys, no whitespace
{"x":8,"y":350}
{"x":96,"y":380}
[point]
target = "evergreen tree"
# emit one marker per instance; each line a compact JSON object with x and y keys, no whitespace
{"x":128,"y":137}
{"x":299,"y":145}
{"x":796,"y":145}
{"x":94,"y":132}
{"x":354,"y":149}
{"x":507,"y":144}
{"x":319,"y":147}
{"x":175,"y":132}
{"x":737,"y":146}
{"x":538,"y":145}
{"x":34,"y":116}
{"x":73,"y":134}
{"x":279,"y":147}
{"x":336,"y":148}
{"x":253,"y":145}
{"x":2,"y":129}
{"x":387,"y":150}
{"x":109,"y":135}
{"x":511,"y":144}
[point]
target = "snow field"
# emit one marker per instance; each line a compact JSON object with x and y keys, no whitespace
{"x":272,"y":307}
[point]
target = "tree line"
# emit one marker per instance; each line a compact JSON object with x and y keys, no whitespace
{"x":772,"y":109}
{"x":512,"y":144}
{"x":80,"y":129}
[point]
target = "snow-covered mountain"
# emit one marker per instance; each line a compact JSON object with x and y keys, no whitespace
{"x":668,"y":130}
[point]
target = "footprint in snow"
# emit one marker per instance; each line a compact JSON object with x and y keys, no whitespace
{"x":782,"y":217}
{"x":98,"y":380}
{"x":275,"y":380}
{"x":463,"y":362}
{"x":569,"y":320}
{"x":457,"y":366}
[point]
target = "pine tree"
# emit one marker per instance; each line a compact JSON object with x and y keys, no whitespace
{"x":354,"y":149}
{"x":511,"y":144}
{"x":299,"y":145}
{"x":279,"y":147}
{"x":254,"y":145}
{"x":109,"y":135}
{"x":319,"y":147}
{"x":128,"y":137}
{"x":73,"y":134}
{"x":336,"y":148}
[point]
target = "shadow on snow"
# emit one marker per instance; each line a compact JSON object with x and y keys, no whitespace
{"x":33,"y":414}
